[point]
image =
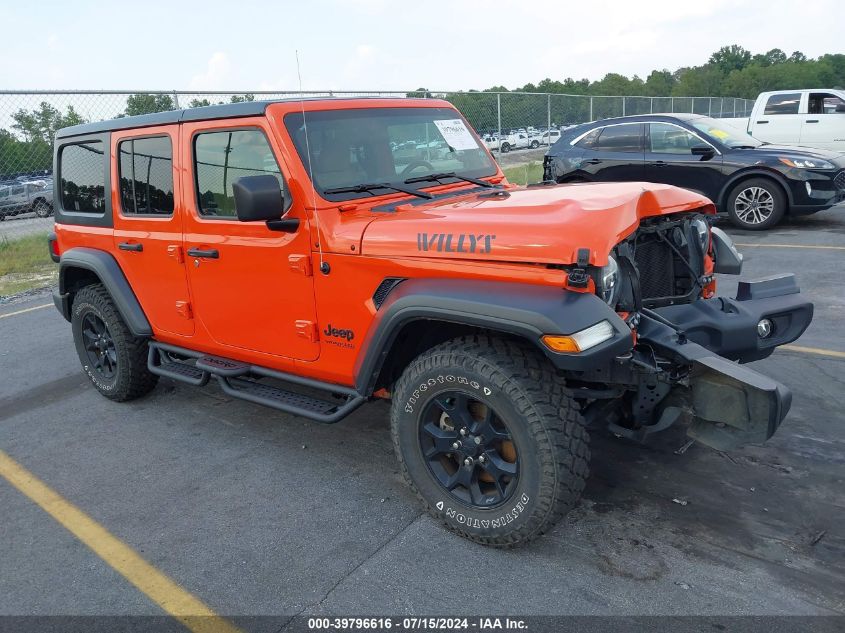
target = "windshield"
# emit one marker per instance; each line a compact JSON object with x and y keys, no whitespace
{"x":725,"y":133}
{"x":385,"y":145}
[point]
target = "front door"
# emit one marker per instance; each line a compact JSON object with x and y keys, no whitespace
{"x":669,"y":160}
{"x":148,"y":225}
{"x":251,"y":287}
{"x":780,"y":121}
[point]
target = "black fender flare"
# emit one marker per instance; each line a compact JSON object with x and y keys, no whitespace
{"x":754,"y":172}
{"x":527,"y":311}
{"x":106,"y":268}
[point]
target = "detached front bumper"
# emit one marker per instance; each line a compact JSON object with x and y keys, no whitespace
{"x":731,"y":405}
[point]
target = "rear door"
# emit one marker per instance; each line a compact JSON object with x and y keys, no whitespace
{"x":823,"y":126}
{"x":669,"y":160}
{"x":781,"y":119}
{"x":252,"y":288}
{"x":613,"y":153}
{"x":148,"y":225}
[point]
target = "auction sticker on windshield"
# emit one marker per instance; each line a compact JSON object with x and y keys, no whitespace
{"x":456,"y":134}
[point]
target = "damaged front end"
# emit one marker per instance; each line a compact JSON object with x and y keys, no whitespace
{"x":685,"y":364}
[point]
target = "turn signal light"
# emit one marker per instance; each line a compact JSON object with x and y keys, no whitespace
{"x":580,"y":341}
{"x":560,"y":343}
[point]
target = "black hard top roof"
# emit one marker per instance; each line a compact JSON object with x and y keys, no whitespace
{"x":204,"y":113}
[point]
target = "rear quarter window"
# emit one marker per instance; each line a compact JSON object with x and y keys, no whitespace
{"x":82,"y":177}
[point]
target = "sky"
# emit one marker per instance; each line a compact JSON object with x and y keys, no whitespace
{"x":240,"y":45}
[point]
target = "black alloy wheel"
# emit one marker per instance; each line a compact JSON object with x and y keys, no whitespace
{"x":99,"y":346}
{"x":469,"y":449}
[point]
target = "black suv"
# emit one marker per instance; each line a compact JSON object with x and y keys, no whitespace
{"x":756,"y":183}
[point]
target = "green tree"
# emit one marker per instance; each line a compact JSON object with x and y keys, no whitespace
{"x":142,"y":103}
{"x":41,"y":124}
{"x":730,"y":58}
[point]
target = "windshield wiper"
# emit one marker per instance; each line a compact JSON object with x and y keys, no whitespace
{"x":449,"y":174}
{"x":366,"y":187}
{"x":744,"y":146}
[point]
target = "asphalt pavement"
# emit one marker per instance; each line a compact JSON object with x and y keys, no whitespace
{"x":260,"y":513}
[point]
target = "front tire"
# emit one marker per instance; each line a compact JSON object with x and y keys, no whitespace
{"x":488,"y":440}
{"x":505,"y":148}
{"x":535,"y":144}
{"x":42,"y":209}
{"x":114,"y":359}
{"x":756,"y":204}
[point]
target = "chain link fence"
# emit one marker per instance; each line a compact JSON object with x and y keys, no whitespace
{"x":29,"y":120}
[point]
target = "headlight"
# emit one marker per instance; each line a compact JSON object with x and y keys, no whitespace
{"x":703,"y":231}
{"x":609,"y":279}
{"x":806,"y":163}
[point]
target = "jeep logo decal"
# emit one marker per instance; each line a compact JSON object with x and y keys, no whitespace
{"x":336,"y":333}
{"x":455,"y":242}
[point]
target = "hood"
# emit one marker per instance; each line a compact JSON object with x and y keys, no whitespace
{"x":800,"y":152}
{"x":543,"y":225}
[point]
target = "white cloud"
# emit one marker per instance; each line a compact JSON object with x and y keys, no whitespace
{"x":218,"y":73}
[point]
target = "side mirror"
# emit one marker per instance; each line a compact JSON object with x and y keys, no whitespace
{"x":258,"y":198}
{"x":705,"y":151}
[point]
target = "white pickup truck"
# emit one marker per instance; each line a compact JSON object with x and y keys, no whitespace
{"x":812,"y":118}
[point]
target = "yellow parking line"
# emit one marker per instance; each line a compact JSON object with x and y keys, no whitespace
{"x":162,"y":590}
{"x":8,"y":314}
{"x":815,"y":246}
{"x":813,"y":350}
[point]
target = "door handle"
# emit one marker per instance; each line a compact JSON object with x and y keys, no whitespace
{"x":812,"y":121}
{"x":761,"y":122}
{"x":210,"y":253}
{"x":135,"y":247}
{"x":659,"y":163}
{"x":593,"y":161}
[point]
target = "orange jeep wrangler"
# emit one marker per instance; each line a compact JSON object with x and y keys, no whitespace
{"x":312,"y":255}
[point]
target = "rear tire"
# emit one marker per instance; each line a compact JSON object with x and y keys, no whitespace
{"x":756,"y":204}
{"x":521,"y":462}
{"x":114,"y":359}
{"x":505,"y":148}
{"x":535,"y":144}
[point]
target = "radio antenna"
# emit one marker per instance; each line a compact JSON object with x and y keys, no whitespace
{"x":324,"y":267}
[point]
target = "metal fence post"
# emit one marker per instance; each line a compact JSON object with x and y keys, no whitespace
{"x":176,"y":99}
{"x":623,"y":106}
{"x":499,"y":115}
{"x":549,"y":115}
{"x":710,"y":107}
{"x":651,"y":105}
{"x":672,"y":104}
{"x":734,"y":107}
{"x":591,"y":108}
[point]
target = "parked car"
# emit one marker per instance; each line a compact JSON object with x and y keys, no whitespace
{"x":549,"y":138}
{"x":755,"y":183}
{"x":25,"y":197}
{"x":811,"y":118}
{"x":573,"y":305}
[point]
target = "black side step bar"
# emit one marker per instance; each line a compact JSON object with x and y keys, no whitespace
{"x":238,"y":380}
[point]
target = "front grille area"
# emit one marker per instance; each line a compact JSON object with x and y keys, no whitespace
{"x":840,"y":180}
{"x":665,"y":260}
{"x":655,"y":262}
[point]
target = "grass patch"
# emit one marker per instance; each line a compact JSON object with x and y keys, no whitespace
{"x":25,"y":264}
{"x":524,"y":174}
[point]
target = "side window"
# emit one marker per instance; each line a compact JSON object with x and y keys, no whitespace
{"x":82,"y":177}
{"x":589,"y":141}
{"x":669,"y":139}
{"x":220,"y":158}
{"x":824,"y":103}
{"x":17,"y":190}
{"x":146,"y":175}
{"x":620,"y":138}
{"x":783,"y":103}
